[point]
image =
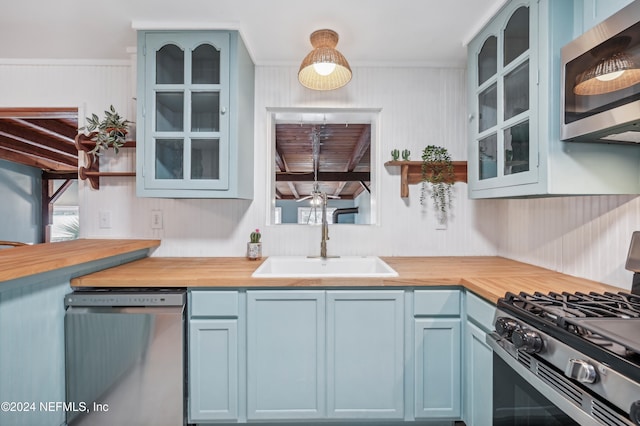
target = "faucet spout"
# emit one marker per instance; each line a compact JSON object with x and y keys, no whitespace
{"x":325,"y":227}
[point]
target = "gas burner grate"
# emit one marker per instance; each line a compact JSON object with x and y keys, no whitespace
{"x":556,"y":306}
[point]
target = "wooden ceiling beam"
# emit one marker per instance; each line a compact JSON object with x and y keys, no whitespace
{"x":362,"y":145}
{"x":9,"y":143}
{"x":67,"y":113}
{"x":25,"y":132}
{"x":324,"y":177}
{"x":293,"y":189}
{"x":339,"y":187}
{"x":57,"y":128}
{"x":280,"y":161}
{"x":34,"y":161}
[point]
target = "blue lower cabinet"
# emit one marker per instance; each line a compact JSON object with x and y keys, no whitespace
{"x":285,"y":355}
{"x":437,"y":358}
{"x":365,"y":356}
{"x":213,"y":369}
{"x":479,"y":386}
{"x":335,"y":356}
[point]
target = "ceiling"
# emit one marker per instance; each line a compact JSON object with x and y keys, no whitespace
{"x":343,"y":159}
{"x":372,"y":32}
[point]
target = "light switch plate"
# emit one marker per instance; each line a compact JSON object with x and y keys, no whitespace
{"x":156,"y":219}
{"x":104,"y":219}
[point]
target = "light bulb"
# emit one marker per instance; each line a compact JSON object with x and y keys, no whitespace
{"x":610,"y":76}
{"x":324,"y":68}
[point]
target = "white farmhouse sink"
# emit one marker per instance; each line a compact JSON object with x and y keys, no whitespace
{"x":310,"y":267}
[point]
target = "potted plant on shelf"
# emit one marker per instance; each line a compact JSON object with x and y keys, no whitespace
{"x":437,"y":178}
{"x":254,"y":246}
{"x":110,"y":131}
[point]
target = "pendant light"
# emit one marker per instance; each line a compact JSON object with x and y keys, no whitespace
{"x":614,"y":71}
{"x":324,"y":68}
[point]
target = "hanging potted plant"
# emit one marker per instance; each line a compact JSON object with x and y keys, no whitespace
{"x":110,"y":131}
{"x":437,"y":179}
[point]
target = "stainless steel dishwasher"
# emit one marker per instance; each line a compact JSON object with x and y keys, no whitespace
{"x":125,"y":360}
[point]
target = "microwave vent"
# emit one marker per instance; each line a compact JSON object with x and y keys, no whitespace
{"x":628,"y":136}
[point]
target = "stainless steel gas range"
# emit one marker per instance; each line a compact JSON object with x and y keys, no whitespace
{"x":567,"y":358}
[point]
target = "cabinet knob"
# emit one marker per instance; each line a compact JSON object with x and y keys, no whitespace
{"x":471,"y":117}
{"x":223,"y":110}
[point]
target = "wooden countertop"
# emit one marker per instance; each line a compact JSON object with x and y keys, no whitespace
{"x":23,"y":261}
{"x":489,"y":277}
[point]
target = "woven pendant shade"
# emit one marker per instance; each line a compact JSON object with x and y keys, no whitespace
{"x":324,"y":53}
{"x":615,"y":70}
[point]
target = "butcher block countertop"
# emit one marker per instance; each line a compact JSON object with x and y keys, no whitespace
{"x":488,"y":277}
{"x":23,"y":261}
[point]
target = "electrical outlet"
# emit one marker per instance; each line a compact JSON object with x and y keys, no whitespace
{"x":156,"y":219}
{"x":104,"y":219}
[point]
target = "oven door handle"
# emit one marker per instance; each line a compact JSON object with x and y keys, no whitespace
{"x":505,"y":350}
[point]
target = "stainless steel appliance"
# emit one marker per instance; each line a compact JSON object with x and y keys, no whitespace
{"x":125,"y":357}
{"x":633,"y":262}
{"x":580,"y":352}
{"x":600,"y":75}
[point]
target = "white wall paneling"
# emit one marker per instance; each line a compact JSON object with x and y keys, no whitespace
{"x":582,"y":236}
{"x":420,"y":106}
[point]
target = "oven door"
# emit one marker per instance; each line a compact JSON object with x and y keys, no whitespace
{"x":516,"y":402}
{"x":522,"y":398}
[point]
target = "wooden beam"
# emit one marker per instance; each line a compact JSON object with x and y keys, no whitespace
{"x":10,"y":143}
{"x":59,"y":175}
{"x":339,"y":187}
{"x":25,"y":132}
{"x":293,"y":189}
{"x":60,"y":113}
{"x":324,"y":177}
{"x":55,"y":128}
{"x":280,"y":162}
{"x":34,"y":161}
{"x":362,"y":145}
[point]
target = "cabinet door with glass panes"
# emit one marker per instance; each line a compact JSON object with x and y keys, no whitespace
{"x":503,"y":148}
{"x":184,"y":114}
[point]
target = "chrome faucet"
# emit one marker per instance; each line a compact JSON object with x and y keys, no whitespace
{"x":325,"y":227}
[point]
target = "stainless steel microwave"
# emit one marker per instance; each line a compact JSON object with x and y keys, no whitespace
{"x":600,"y":81}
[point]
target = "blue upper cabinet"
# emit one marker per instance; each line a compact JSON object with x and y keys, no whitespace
{"x":595,"y":11}
{"x":194,"y":88}
{"x":504,"y":146}
{"x":514,"y":112}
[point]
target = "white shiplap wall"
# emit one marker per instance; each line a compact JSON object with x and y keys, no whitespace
{"x":582,"y":236}
{"x":420,"y":106}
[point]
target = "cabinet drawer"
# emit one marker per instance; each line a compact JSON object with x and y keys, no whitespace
{"x":436,"y":302}
{"x":214,"y":303}
{"x":480,"y":311}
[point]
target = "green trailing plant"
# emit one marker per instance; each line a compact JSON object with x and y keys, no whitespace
{"x":110,"y":131}
{"x":255,"y":236}
{"x":437,"y":178}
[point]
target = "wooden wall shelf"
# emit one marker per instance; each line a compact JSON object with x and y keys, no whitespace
{"x":411,"y":173}
{"x":92,"y":172}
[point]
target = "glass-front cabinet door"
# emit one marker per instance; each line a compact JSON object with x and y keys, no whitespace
{"x":503,"y":149}
{"x":185,"y":116}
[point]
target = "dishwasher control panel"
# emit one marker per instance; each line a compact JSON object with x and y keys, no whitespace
{"x":126,"y":298}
